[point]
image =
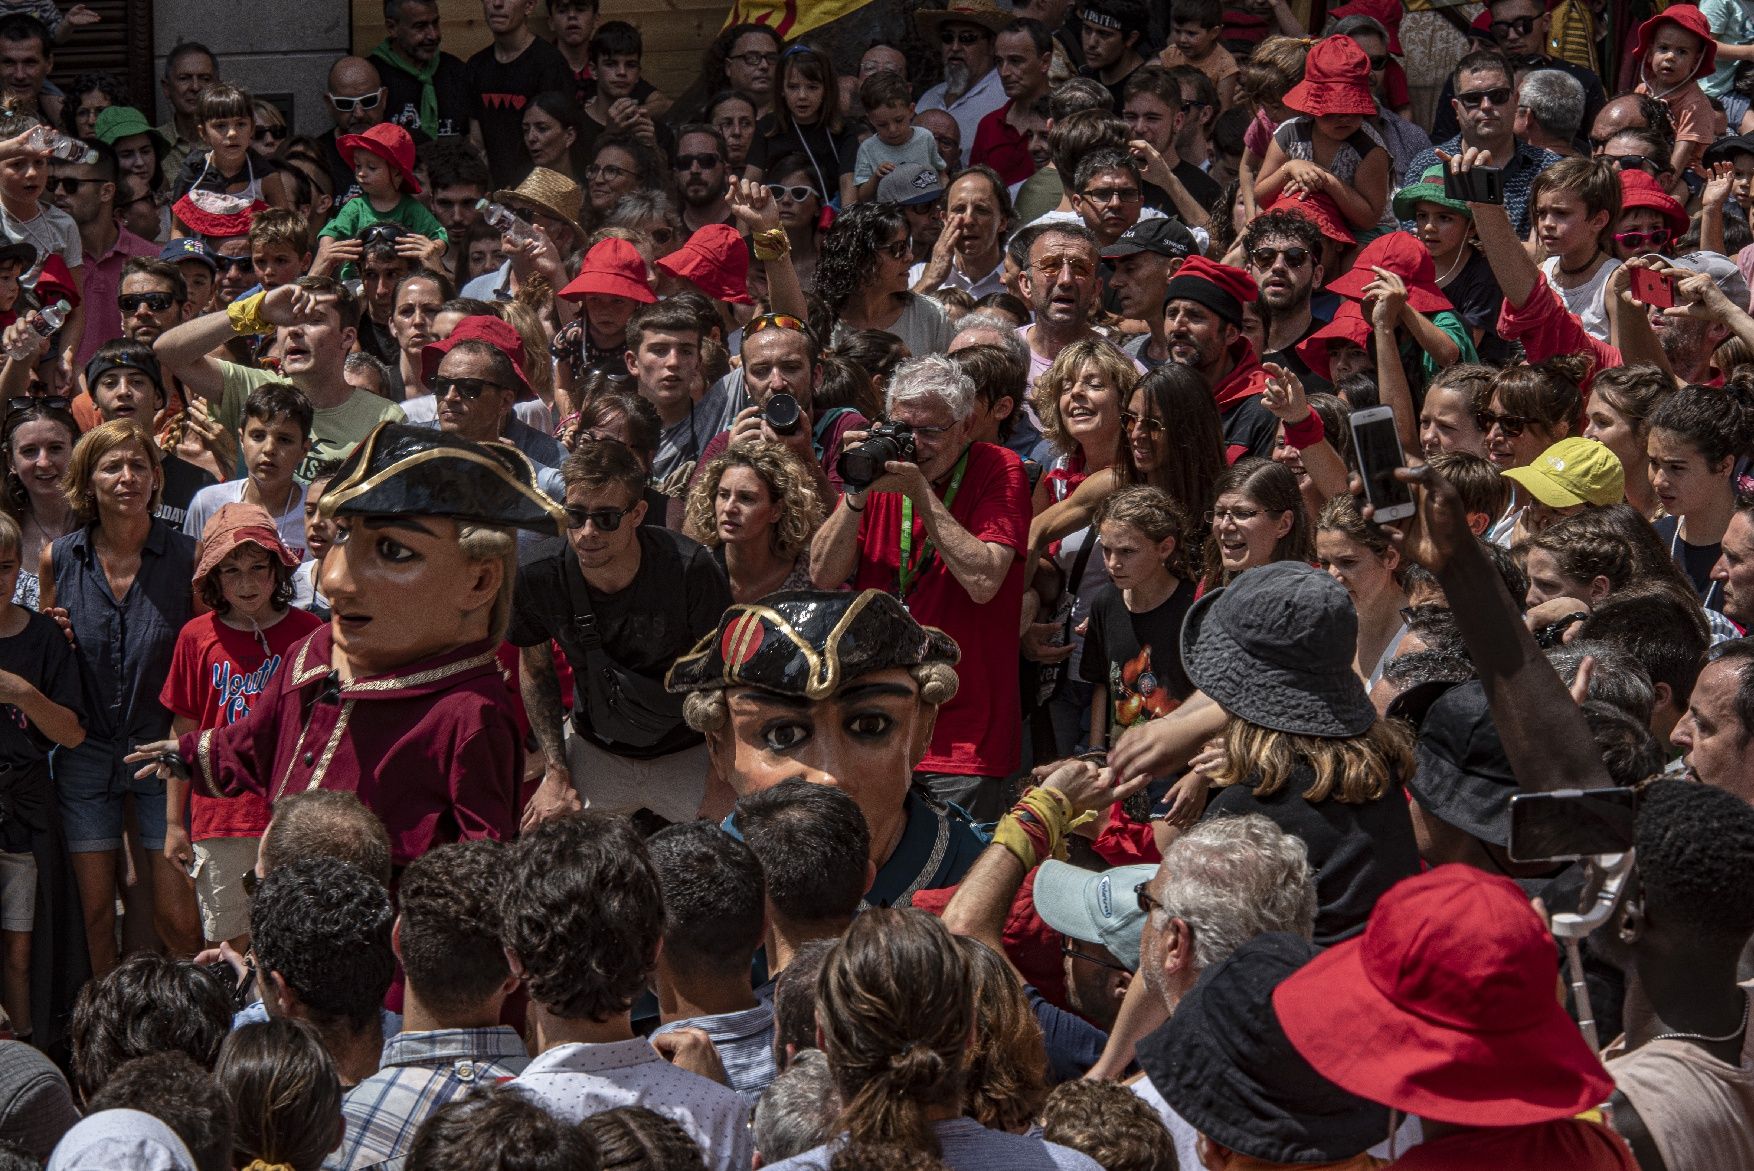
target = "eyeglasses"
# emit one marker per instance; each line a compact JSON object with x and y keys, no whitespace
{"x":1103,"y":195}
{"x":1655,"y":238}
{"x":274,"y":132}
{"x":1236,"y":516}
{"x":1153,"y":427}
{"x":1498,"y":96}
{"x":706,"y":161}
{"x":608,"y":171}
{"x":365,"y":102}
{"x":1147,"y":904}
{"x":52,"y":402}
{"x":607,"y":520}
{"x":134,"y":302}
{"x":794,"y":194}
{"x":1054,"y":265}
{"x":67,"y":183}
{"x":469,"y":389}
{"x":1264,"y":257}
{"x":662,"y":236}
{"x":1643,"y":163}
{"x":777,"y":321}
{"x":902,"y":249}
{"x":1068,"y":949}
{"x":1378,"y":64}
{"x":231,"y":263}
{"x":1511,"y":425}
{"x":1522,"y":26}
{"x":754,"y":60}
{"x":964,"y":38}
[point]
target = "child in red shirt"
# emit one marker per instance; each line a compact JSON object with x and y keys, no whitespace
{"x":1675,"y":49}
{"x":222,"y":662}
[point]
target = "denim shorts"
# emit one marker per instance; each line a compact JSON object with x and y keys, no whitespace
{"x":93,"y":784}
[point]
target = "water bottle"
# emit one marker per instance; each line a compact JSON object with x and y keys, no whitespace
{"x":505,"y":221}
{"x":44,"y":322}
{"x":69,"y":150}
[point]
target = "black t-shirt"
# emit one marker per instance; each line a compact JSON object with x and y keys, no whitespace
{"x":1288,"y":357}
{"x":1477,"y":298}
{"x":1138,"y":657}
{"x":1201,"y":186}
{"x":1694,"y":560}
{"x":41,"y":656}
{"x":1248,"y":424}
{"x":1356,"y":851}
{"x":498,"y":94}
{"x":834,"y":154}
{"x":674,"y":601}
{"x":450,"y":83}
{"x":182,"y":480}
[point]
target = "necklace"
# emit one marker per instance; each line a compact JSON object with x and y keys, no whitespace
{"x":1681,"y":564}
{"x":1454,"y":264}
{"x":1584,"y":267}
{"x":1729,"y":1036}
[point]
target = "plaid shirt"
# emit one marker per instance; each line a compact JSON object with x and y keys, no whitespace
{"x":419,"y":1072}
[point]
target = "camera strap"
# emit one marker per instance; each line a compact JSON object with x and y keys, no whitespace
{"x":911,"y":569}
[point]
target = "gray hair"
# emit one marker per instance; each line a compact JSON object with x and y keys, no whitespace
{"x":934,"y":376}
{"x":1003,"y":333}
{"x":1553,"y":98}
{"x":361,"y":362}
{"x":635,"y":208}
{"x":1619,"y":679}
{"x":1351,"y":26}
{"x":798,"y":1110}
{"x":1234,"y":878}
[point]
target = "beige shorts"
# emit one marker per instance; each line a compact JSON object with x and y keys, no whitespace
{"x":18,"y":892}
{"x":671,"y":786}
{"x":219,"y":885}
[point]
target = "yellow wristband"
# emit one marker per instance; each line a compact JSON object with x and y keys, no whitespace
{"x":246,"y":315}
{"x":771,"y":244}
{"x":1011,"y":836}
{"x":1054,"y":811}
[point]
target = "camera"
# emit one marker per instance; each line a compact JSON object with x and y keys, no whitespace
{"x":382,"y":232}
{"x":782,"y":412}
{"x":889,"y":440}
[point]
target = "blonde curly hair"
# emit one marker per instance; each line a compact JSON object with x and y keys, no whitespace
{"x":787,"y":481}
{"x":1064,"y":374}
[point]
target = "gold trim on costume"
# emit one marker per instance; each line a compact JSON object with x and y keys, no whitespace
{"x":316,"y":781}
{"x":358,"y":483}
{"x":824,"y":667}
{"x":204,"y":760}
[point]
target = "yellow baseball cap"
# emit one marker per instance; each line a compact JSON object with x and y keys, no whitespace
{"x":1571,"y":472}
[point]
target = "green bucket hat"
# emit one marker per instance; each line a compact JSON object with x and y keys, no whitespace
{"x":1429,"y":189}
{"x":115,"y":123}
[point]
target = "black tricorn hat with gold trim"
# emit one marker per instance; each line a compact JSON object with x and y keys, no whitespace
{"x":808,"y":643}
{"x":422,"y":471}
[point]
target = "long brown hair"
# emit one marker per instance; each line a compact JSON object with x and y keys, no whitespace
{"x":1178,"y":397}
{"x":1007,"y":1082}
{"x":1271,"y":487}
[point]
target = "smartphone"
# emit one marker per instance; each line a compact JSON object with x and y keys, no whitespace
{"x":1571,"y":823}
{"x":1378,"y":445}
{"x":1653,"y":287}
{"x":1479,"y":184}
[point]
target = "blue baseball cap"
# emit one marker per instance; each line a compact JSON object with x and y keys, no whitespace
{"x":189,"y":248}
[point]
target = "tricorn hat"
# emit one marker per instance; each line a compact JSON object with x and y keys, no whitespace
{"x":808,"y":643}
{"x":419,"y":471}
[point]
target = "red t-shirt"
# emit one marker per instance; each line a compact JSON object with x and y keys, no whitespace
{"x":216,"y":673}
{"x":1000,"y":147}
{"x":980,"y":731}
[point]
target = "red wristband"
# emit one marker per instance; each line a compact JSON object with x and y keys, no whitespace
{"x":1307,"y":433}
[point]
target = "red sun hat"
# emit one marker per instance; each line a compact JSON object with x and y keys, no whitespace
{"x":1348,"y":325}
{"x":1402,"y":254}
{"x":480,"y":328}
{"x":1320,"y":210}
{"x":1638,"y":189}
{"x":1336,"y":80}
{"x":1387,"y":13}
{"x":613,"y":268}
{"x":1445,"y":1007}
{"x":1691,"y":20}
{"x":234,"y":525}
{"x":389,"y":142}
{"x":716,"y":261}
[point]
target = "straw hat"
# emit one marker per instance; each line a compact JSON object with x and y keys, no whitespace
{"x":548,"y":191}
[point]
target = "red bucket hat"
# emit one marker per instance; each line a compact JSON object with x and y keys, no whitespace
{"x":1402,"y":254}
{"x":389,"y":142}
{"x":1387,"y":13}
{"x":1638,"y":189}
{"x":1336,"y":80}
{"x":1445,"y":1008}
{"x":1348,"y":325}
{"x":1691,"y":20}
{"x":614,"y":268}
{"x":1320,"y":210}
{"x":481,"y":328}
{"x":234,"y":525}
{"x":716,"y":261}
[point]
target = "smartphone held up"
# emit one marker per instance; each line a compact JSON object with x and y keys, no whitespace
{"x":1378,"y":445}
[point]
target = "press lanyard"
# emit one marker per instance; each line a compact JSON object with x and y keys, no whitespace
{"x":911,"y":569}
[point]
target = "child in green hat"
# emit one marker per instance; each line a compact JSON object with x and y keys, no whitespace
{"x":1446,"y":227}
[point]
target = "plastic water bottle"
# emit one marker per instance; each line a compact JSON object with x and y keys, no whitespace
{"x":44,"y":322}
{"x":504,"y":220}
{"x":69,"y":150}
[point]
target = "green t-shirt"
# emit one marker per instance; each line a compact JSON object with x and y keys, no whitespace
{"x":335,"y":431}
{"x":358,"y":214}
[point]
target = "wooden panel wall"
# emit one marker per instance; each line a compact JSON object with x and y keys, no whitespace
{"x":675,"y":32}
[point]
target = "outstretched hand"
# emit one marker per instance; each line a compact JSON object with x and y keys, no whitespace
{"x":1438,"y":527}
{"x":753,"y":205}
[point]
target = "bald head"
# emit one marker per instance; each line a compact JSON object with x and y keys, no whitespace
{"x":947,"y":131}
{"x":355,"y":77}
{"x":1623,"y":113}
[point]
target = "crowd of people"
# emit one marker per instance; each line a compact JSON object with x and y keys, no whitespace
{"x":832,"y":619}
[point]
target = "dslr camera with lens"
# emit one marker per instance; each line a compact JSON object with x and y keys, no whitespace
{"x":782,"y":412}
{"x":889,"y":440}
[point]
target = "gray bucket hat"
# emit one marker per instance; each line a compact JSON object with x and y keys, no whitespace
{"x":1276,"y":648}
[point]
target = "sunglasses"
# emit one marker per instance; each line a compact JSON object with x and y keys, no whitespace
{"x":1522,"y":26}
{"x":1265,"y":257}
{"x":469,"y":389}
{"x":348,"y":105}
{"x":662,"y":236}
{"x":274,"y":132}
{"x":1511,"y":425}
{"x":1498,"y":96}
{"x":50,"y":402}
{"x":1153,"y":427}
{"x":1378,"y":64}
{"x":795,"y":194}
{"x":778,"y":321}
{"x":66,"y":183}
{"x":607,"y":520}
{"x":902,"y":249}
{"x":1106,"y":195}
{"x":133,"y":302}
{"x":1147,"y":904}
{"x":964,"y":38}
{"x":706,"y":161}
{"x":1655,"y":238}
{"x":1067,"y":949}
{"x":231,"y":263}
{"x":1643,"y":163}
